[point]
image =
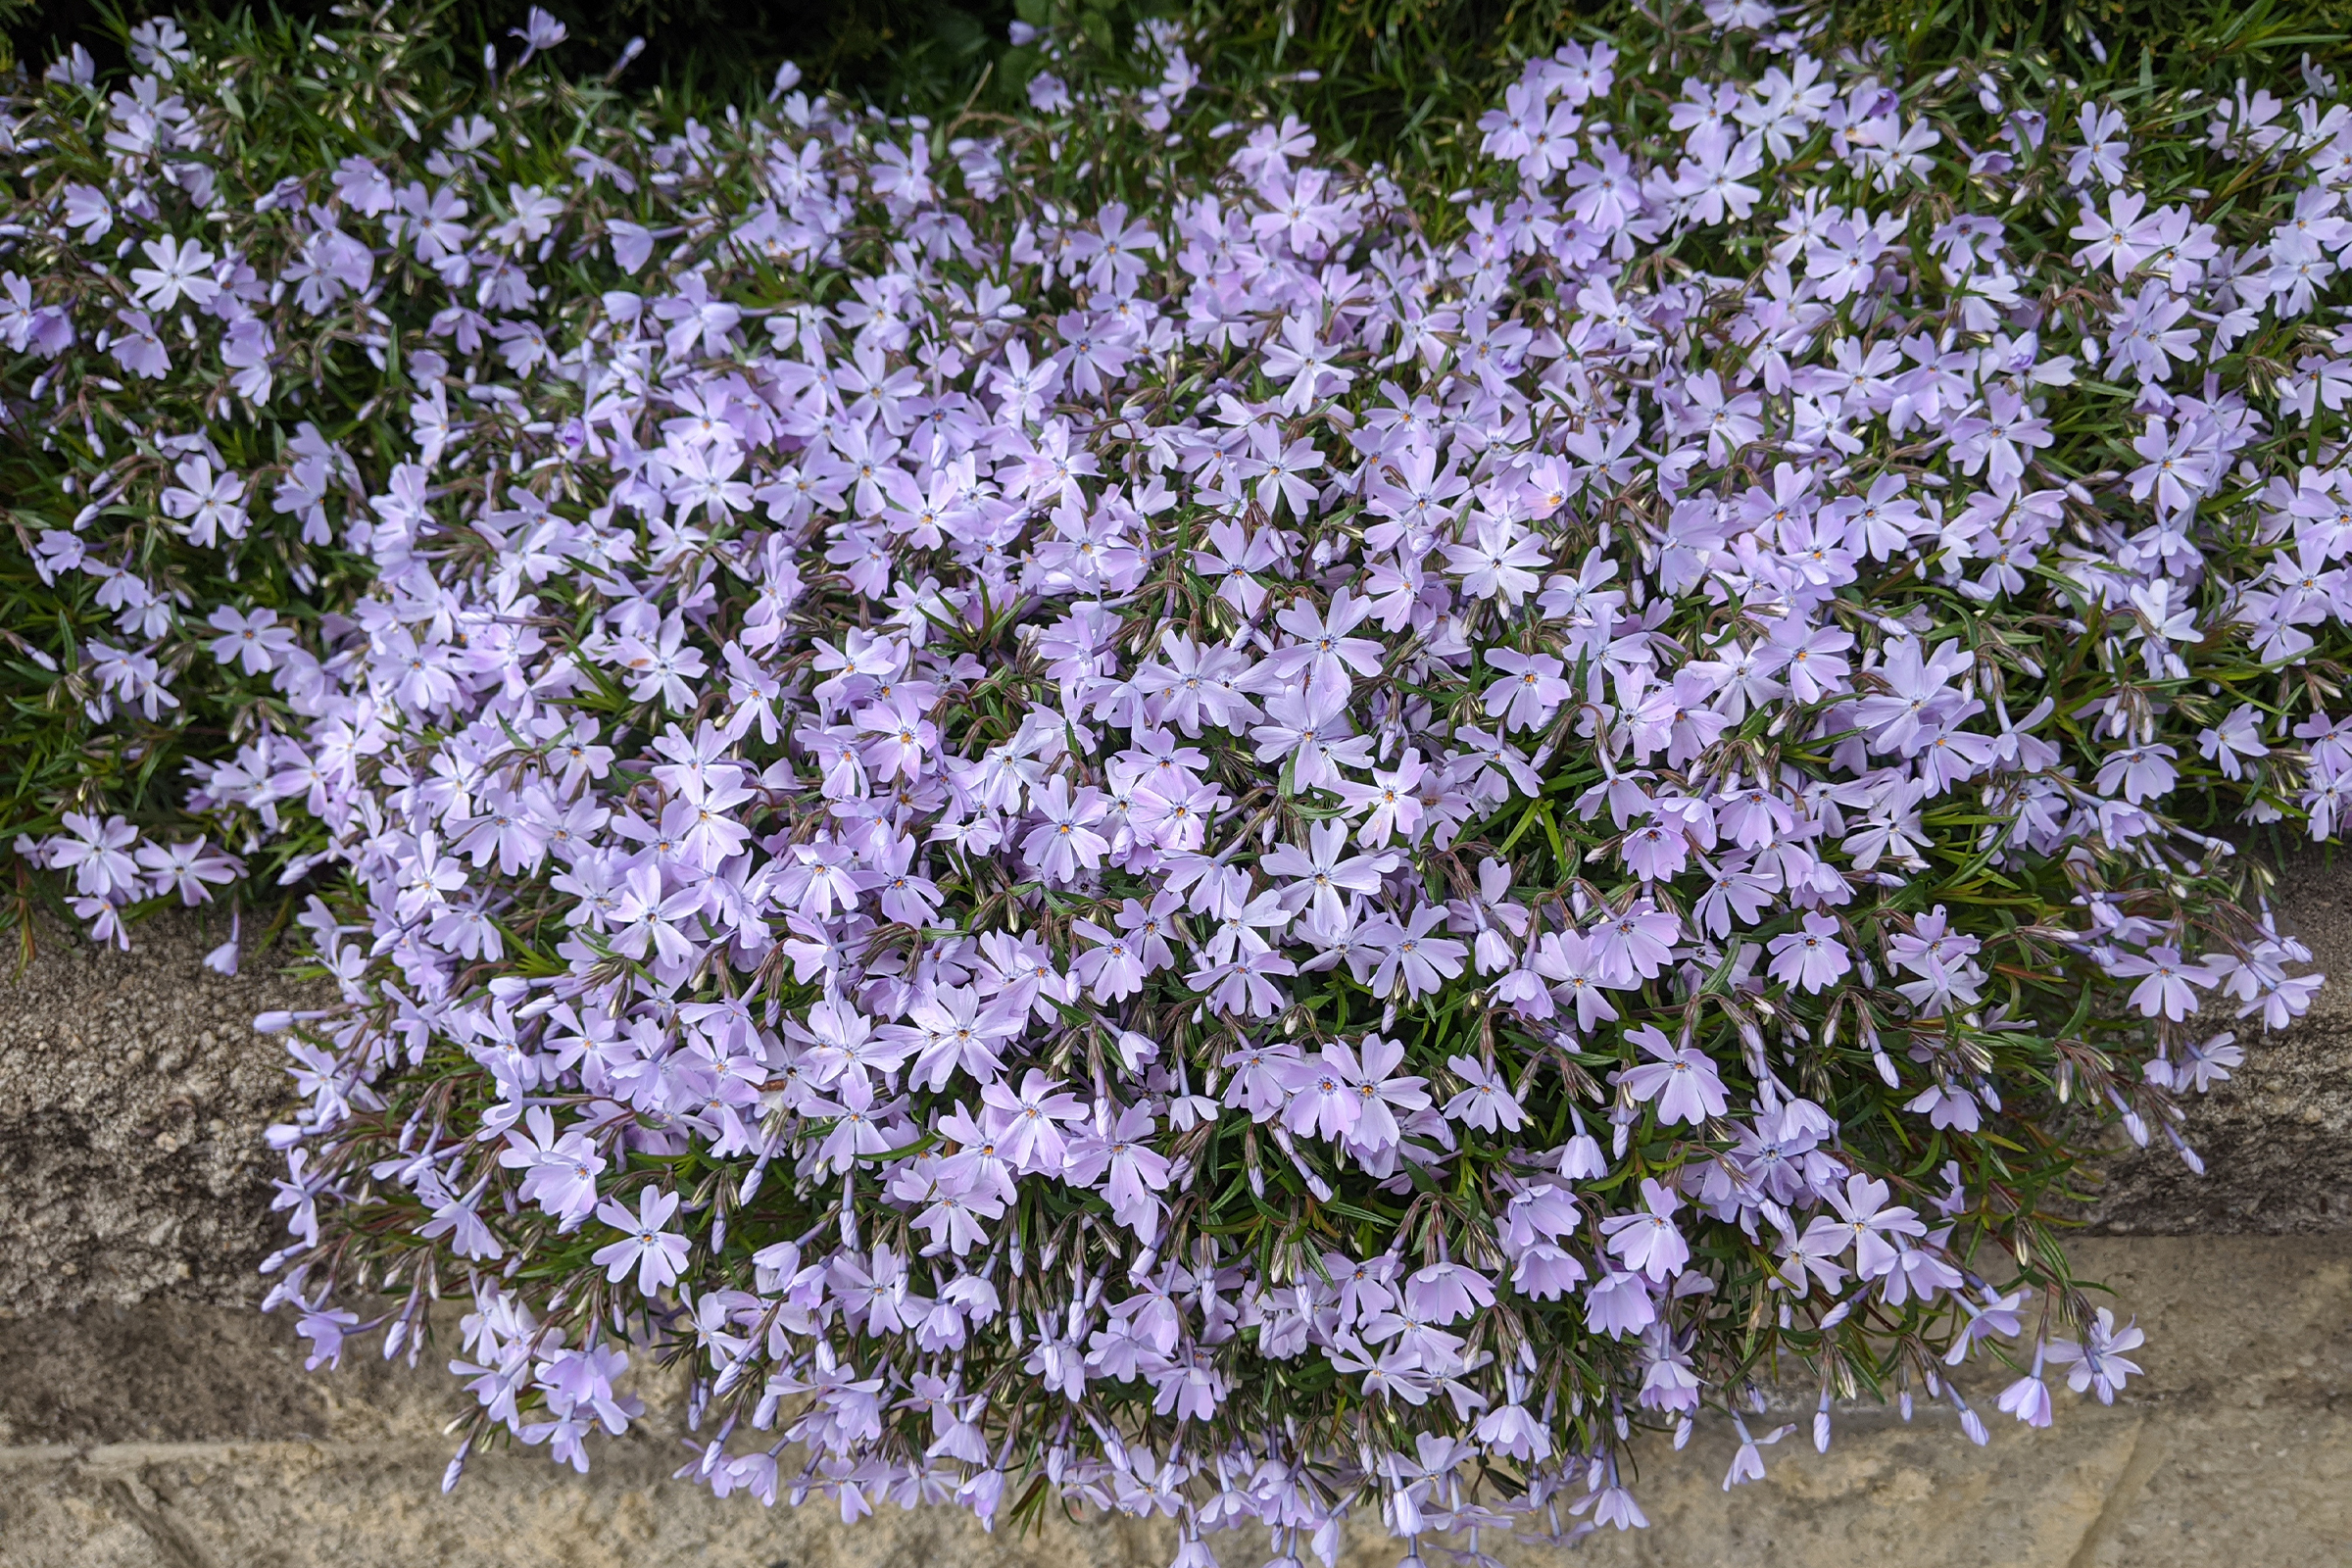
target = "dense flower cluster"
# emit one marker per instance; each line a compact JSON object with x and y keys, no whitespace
{"x":1105,"y":812}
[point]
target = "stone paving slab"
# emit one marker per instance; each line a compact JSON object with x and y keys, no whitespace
{"x":189,"y":1437}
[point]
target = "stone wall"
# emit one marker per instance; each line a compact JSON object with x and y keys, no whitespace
{"x":133,"y":1092}
{"x":148,"y":1415}
{"x":2277,"y":1139}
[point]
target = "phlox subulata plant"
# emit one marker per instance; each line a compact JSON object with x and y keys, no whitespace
{"x":1098,"y":811}
{"x":204,"y":361}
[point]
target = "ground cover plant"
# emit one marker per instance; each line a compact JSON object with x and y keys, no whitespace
{"x":1107,"y":811}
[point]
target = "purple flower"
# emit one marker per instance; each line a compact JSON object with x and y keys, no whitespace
{"x":1682,"y":1080}
{"x":2098,"y":1362}
{"x":2029,"y":1398}
{"x":657,"y":1254}
{"x":1309,"y":737}
{"x":1417,"y":959}
{"x":559,"y":1170}
{"x":2168,"y":982}
{"x":1485,"y":1101}
{"x":1811,"y":957}
{"x":2143,"y":773}
{"x":1865,"y":1222}
{"x":95,"y":853}
{"x":187,"y":869}
{"x":181,"y":269}
{"x":1619,"y":1304}
{"x":1129,"y":1170}
{"x":1065,"y":840}
{"x":1633,"y":946}
{"x":1027,"y":1121}
{"x":1647,"y":1242}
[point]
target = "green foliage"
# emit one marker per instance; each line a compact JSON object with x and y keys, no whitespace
{"x":87,"y":440}
{"x":1392,"y":81}
{"x":2183,"y":43}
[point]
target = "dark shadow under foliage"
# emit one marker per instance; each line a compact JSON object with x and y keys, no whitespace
{"x":1387,"y":81}
{"x":914,"y":52}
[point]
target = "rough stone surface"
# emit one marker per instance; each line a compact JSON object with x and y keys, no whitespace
{"x":2278,"y":1138}
{"x":2236,"y":1449}
{"x":133,"y":1092}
